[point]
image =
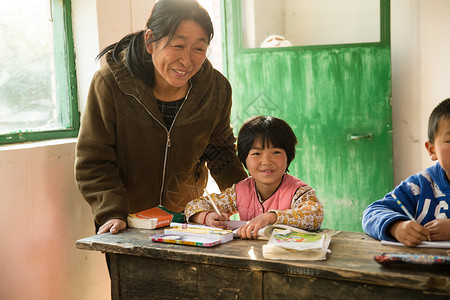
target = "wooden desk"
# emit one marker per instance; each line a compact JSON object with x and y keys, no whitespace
{"x":141,"y":269}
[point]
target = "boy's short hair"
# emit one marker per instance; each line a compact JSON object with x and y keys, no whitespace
{"x":441,"y":111}
{"x":269,"y":130}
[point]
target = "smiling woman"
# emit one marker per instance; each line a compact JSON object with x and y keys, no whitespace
{"x":177,"y":60}
{"x":157,"y":118}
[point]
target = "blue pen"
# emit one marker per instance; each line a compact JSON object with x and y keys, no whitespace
{"x":403,"y":207}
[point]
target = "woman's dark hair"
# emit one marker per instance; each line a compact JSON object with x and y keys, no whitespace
{"x":164,"y":20}
{"x":441,"y":111}
{"x":269,"y":130}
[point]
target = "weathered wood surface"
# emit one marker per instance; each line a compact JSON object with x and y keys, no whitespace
{"x":350,"y":265}
{"x":151,"y":278}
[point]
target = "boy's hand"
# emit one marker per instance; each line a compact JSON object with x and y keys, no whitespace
{"x":409,"y":233}
{"x":250,"y":230}
{"x":439,"y":229}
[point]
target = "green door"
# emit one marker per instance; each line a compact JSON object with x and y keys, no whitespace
{"x":336,"y":97}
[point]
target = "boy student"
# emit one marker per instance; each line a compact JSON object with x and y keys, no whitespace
{"x":426,"y":195}
{"x":266,"y":147}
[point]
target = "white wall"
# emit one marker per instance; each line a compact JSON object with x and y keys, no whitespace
{"x":42,"y":213}
{"x":41,"y":217}
{"x":87,"y":45}
{"x":420,"y":34}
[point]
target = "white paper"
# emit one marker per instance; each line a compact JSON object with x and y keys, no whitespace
{"x":424,"y":244}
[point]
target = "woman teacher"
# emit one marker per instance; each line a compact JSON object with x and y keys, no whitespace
{"x":156,"y":119}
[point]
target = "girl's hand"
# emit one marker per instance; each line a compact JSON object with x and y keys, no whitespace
{"x":439,"y":229}
{"x":213,"y":219}
{"x":113,"y":226}
{"x":250,"y":230}
{"x":409,"y":233}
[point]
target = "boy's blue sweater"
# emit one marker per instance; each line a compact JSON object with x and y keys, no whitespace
{"x":425,"y":195}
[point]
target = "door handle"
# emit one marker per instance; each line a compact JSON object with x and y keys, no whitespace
{"x":358,"y":137}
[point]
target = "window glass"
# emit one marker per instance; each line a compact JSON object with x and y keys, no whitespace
{"x":33,"y":83}
{"x":284,"y":23}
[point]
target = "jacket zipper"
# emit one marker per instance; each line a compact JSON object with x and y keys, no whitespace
{"x":168,"y":142}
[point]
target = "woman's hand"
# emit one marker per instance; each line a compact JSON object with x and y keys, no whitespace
{"x":250,"y":230}
{"x":439,"y":229}
{"x":409,"y":233}
{"x":113,"y":226}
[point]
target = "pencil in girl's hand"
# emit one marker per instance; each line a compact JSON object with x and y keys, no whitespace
{"x":211,"y":201}
{"x":403,"y":207}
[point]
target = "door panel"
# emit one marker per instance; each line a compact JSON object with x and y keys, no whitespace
{"x":337,"y":100}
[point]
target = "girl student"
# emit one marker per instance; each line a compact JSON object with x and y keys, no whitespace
{"x":266,"y":147}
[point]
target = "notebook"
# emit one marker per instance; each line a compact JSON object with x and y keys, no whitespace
{"x":193,"y":235}
{"x":185,"y":239}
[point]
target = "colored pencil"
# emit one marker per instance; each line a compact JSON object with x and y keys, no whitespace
{"x":406,"y":211}
{"x":403,"y":207}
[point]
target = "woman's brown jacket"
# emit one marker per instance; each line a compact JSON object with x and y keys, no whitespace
{"x":126,"y":158}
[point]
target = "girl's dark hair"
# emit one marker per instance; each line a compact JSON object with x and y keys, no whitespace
{"x":164,"y":20}
{"x":441,"y":111}
{"x":268,"y":130}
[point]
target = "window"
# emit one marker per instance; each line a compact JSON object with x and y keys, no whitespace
{"x":285,"y":23}
{"x":38,"y":98}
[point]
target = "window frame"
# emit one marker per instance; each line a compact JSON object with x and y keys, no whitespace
{"x":65,"y":78}
{"x":239,"y":40}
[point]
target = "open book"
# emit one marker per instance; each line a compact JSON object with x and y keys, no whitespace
{"x":265,"y":232}
{"x":291,"y":243}
{"x":287,"y":244}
